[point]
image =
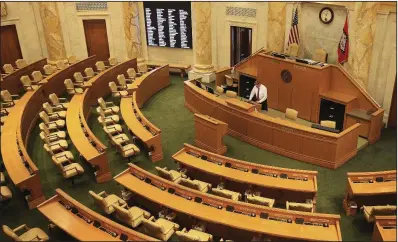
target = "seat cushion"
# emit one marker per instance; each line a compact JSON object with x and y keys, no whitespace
{"x":136,"y":212}
{"x":202,"y":186}
{"x":304,"y":207}
{"x":60,"y":123}
{"x":112,"y":198}
{"x":174,"y":175}
{"x":112,"y":129}
{"x":187,"y":236}
{"x":129,"y":150}
{"x":33,"y":235}
{"x":260,"y":200}
{"x":384,"y":210}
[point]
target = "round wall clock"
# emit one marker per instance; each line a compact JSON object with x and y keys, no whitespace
{"x":286,"y":76}
{"x":326,"y":15}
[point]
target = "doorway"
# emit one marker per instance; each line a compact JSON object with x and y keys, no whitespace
{"x":241,"y":44}
{"x":96,"y":38}
{"x":392,"y":116}
{"x":10,"y":48}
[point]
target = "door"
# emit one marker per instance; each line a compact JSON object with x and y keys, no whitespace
{"x":241,"y":44}
{"x":10,"y":48}
{"x":392,"y":117}
{"x":96,"y":38}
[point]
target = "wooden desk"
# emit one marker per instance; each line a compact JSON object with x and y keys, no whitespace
{"x":89,"y":147}
{"x":219,"y":222}
{"x":12,"y":81}
{"x":182,"y":67}
{"x":56,"y":211}
{"x":363,"y":188}
{"x":18,"y":127}
{"x":148,"y":133}
{"x":279,"y":136}
{"x":385,"y":228}
{"x":21,"y":169}
{"x":151,"y":83}
{"x":239,"y":175}
{"x":309,"y":83}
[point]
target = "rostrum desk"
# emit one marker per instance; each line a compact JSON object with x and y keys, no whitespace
{"x":12,"y":81}
{"x":310,"y":87}
{"x":274,"y":134}
{"x":58,"y":209}
{"x":224,"y":217}
{"x":273,"y":182}
{"x":18,"y":125}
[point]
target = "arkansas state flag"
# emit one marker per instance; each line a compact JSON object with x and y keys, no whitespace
{"x":342,"y":50}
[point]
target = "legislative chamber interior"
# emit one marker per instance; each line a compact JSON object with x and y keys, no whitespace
{"x":198,"y":121}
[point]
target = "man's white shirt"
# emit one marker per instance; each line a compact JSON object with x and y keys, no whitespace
{"x":263,"y":93}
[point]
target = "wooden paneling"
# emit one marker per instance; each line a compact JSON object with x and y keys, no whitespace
{"x":10,"y":48}
{"x":12,"y":82}
{"x":274,"y":134}
{"x":96,"y":38}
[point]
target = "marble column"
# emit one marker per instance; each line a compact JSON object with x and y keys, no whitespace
{"x":202,"y":43}
{"x":52,"y":31}
{"x":132,"y":30}
{"x":276,"y":26}
{"x":361,"y":40}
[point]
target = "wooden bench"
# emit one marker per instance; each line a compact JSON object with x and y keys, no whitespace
{"x":182,"y":67}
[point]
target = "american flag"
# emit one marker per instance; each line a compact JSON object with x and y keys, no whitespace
{"x":294,"y":36}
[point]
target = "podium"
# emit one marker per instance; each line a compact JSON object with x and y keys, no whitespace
{"x":209,"y":133}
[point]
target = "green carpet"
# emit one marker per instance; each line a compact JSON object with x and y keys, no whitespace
{"x":166,"y":110}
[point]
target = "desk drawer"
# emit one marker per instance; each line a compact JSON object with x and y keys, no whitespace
{"x":363,"y":129}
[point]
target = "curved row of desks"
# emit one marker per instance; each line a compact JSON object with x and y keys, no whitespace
{"x":274,"y":134}
{"x":145,"y":87}
{"x":385,"y":228}
{"x":88,"y":145}
{"x":280,"y":184}
{"x":21,"y":169}
{"x":224,"y":217}
{"x":370,"y":188}
{"x":83,"y":224}
{"x":12,"y":82}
